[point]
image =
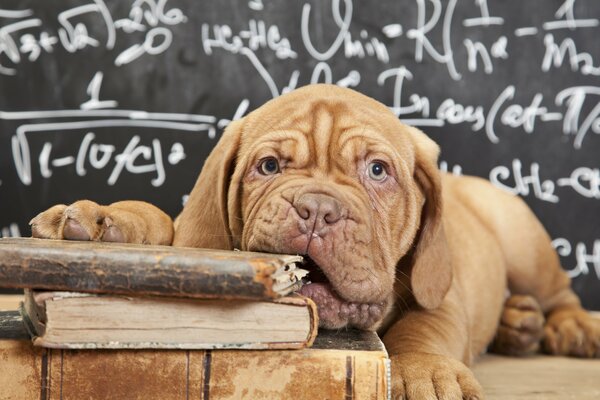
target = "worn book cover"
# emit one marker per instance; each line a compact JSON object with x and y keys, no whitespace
{"x":341,"y":365}
{"x":78,"y":320}
{"x":131,"y":269}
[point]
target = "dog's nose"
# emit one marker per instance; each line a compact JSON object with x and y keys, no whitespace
{"x":318,"y":207}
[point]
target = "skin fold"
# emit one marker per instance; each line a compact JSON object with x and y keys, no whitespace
{"x":394,"y":245}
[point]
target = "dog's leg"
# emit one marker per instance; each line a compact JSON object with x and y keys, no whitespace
{"x":426,"y":348}
{"x":521,"y":327}
{"x":124,"y":221}
{"x":534,"y":268}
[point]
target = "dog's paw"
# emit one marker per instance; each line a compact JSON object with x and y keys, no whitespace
{"x":417,"y":376}
{"x":82,"y":220}
{"x":572,"y":332}
{"x":521,"y":327}
{"x":125,"y":222}
{"x":48,"y":224}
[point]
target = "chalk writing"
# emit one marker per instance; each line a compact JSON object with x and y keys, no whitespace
{"x":585,"y":181}
{"x":127,"y":159}
{"x":135,"y":158}
{"x":556,"y":54}
{"x":575,"y":98}
{"x":501,"y":112}
{"x":11,"y":230}
{"x":258,"y":35}
{"x":522,"y":181}
{"x":585,"y":257}
{"x":566,"y":18}
{"x":25,"y":35}
{"x":361,"y":47}
{"x":455,"y":170}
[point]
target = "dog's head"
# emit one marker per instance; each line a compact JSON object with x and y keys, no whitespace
{"x":333,"y":175}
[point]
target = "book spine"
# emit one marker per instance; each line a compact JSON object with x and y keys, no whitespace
{"x":27,"y":372}
{"x":136,"y":270}
{"x":12,"y":326}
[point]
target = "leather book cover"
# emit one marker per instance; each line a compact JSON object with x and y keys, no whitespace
{"x":130,"y":269}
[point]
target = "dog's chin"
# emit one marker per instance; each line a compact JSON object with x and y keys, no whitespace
{"x":334,"y":311}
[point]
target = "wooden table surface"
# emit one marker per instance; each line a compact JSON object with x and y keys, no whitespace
{"x":9,"y":302}
{"x":506,"y":378}
{"x":538,"y":378}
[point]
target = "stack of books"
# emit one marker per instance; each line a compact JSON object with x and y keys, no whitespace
{"x":100,"y":317}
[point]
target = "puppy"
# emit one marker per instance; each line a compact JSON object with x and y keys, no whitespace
{"x":393,"y":244}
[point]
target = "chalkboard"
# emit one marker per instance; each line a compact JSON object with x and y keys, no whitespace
{"x":112,"y":100}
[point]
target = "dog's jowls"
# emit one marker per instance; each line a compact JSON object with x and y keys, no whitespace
{"x":392,"y":243}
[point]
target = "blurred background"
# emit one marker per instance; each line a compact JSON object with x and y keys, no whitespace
{"x":123,"y":99}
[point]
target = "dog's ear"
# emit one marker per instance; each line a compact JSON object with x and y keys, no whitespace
{"x":204,"y":220}
{"x":431,"y":273}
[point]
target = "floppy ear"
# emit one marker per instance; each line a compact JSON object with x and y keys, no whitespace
{"x":431,"y":273}
{"x":204,"y":221}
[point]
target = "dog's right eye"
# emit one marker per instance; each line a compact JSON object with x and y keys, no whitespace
{"x":269,"y":166}
{"x":377,"y":171}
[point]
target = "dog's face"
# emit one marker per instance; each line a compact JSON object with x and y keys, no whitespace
{"x":329,"y":174}
{"x":325,"y":180}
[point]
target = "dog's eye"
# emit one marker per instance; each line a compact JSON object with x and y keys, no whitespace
{"x":269,"y":166}
{"x":377,"y":171}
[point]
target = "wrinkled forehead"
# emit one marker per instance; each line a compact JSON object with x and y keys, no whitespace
{"x":327,"y":119}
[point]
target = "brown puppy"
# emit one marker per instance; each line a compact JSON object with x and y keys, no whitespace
{"x":395,"y":245}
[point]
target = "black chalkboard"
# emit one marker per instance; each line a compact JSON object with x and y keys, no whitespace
{"x":113,"y":100}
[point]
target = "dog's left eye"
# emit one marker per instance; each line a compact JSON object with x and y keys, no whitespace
{"x":377,"y":171}
{"x":269,"y":166}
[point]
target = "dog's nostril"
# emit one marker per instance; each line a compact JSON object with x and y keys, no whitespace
{"x":332,"y":217}
{"x":307,"y":206}
{"x":303,"y":212}
{"x":330,"y":210}
{"x":318,"y":206}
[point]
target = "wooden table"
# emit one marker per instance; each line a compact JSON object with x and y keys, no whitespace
{"x":9,"y":301}
{"x":539,"y":378}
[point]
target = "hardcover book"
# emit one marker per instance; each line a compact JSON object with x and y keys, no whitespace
{"x":87,"y":321}
{"x":131,"y":269}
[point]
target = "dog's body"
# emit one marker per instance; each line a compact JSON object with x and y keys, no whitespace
{"x":424,"y":257}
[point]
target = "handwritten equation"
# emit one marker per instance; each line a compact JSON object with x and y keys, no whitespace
{"x":566,"y":106}
{"x":24,"y":36}
{"x":587,"y":259}
{"x":95,"y":115}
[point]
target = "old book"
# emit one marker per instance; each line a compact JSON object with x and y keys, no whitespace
{"x":12,"y":326}
{"x":87,"y":321}
{"x":340,"y":365}
{"x":146,"y":270}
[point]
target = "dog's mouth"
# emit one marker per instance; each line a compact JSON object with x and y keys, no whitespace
{"x":335,"y":311}
{"x":315,"y":273}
